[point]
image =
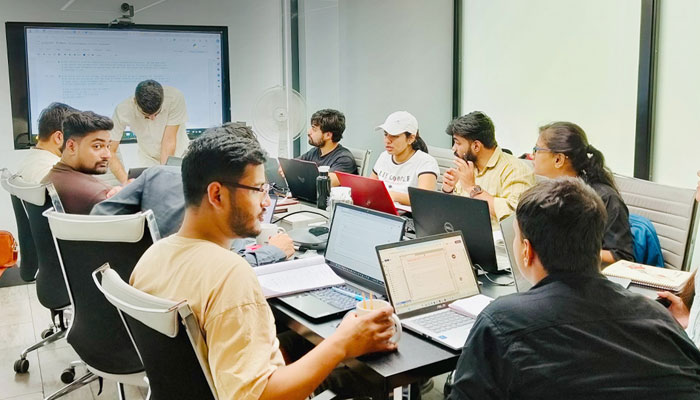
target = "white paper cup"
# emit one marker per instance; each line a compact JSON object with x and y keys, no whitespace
{"x":378,"y":304}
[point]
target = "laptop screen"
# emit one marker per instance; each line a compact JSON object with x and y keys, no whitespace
{"x":354,"y":234}
{"x":270,"y":210}
{"x":427,"y":272}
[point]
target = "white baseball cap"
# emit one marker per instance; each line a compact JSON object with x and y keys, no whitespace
{"x":399,"y":122}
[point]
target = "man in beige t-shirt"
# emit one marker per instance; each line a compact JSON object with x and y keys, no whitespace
{"x":225,"y":193}
{"x":47,"y":151}
{"x":157,"y":115}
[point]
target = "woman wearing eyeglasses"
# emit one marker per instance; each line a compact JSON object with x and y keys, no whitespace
{"x":562,"y":149}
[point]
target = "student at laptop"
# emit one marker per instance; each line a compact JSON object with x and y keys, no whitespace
{"x":482,"y":170}
{"x":575,"y":334}
{"x":405,"y":161}
{"x":47,"y":151}
{"x":562,"y":149}
{"x":85,"y":153}
{"x":225,"y":193}
{"x":325,"y":132}
{"x":159,"y":189}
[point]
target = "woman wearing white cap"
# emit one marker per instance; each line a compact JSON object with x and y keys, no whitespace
{"x":406,"y":161}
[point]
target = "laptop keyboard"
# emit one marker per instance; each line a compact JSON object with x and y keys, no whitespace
{"x":335,"y":299}
{"x":443,"y":321}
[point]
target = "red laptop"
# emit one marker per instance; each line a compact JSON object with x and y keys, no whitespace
{"x":367,"y":192}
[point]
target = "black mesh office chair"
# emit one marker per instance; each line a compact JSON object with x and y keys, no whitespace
{"x":97,"y":333}
{"x":50,"y":286}
{"x":167,"y":337}
{"x":28,"y":262}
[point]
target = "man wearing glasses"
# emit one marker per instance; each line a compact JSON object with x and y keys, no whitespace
{"x":157,"y":115}
{"x":482,"y":170}
{"x":224,"y":187}
{"x":159,"y":189}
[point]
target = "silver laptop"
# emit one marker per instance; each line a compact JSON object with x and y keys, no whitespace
{"x":354,"y":233}
{"x":423,"y":276}
{"x":270,"y":210}
{"x":521,"y":284}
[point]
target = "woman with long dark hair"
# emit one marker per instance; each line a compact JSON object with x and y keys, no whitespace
{"x":405,"y":161}
{"x":562,"y":149}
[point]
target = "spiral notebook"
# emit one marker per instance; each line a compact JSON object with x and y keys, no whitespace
{"x":647,"y":275}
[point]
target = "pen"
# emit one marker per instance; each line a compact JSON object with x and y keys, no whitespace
{"x":346,"y":293}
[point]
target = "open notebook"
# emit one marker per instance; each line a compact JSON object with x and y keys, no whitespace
{"x":296,"y":276}
{"x":647,"y":275}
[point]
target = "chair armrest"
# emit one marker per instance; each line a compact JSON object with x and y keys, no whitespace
{"x":325,"y":395}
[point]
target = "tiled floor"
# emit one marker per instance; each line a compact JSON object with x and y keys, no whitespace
{"x":22,"y":319}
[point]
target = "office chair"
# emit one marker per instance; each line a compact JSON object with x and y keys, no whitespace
{"x":362,"y":160}
{"x":28,"y":262}
{"x":50,"y":286}
{"x":97,"y":333}
{"x":445,"y":160}
{"x":167,"y":337}
{"x":672,"y":210}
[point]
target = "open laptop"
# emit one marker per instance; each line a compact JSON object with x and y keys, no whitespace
{"x":436,"y":212}
{"x":273,"y":176}
{"x":423,"y":276}
{"x":368,"y":192}
{"x":270,"y":210}
{"x":521,"y":284}
{"x":354,"y":233}
{"x":301,"y":178}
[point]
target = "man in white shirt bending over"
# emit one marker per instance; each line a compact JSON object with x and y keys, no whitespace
{"x":47,"y":151}
{"x":157,"y":115}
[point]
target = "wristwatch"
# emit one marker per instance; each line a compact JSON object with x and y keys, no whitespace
{"x":476,"y":190}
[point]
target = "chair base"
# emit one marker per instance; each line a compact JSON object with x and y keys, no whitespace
{"x":76,"y":384}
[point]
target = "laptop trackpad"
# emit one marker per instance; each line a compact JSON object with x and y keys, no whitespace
{"x":309,"y":305}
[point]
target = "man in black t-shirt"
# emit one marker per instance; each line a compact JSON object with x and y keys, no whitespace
{"x":327,"y":127}
{"x":574,"y":335}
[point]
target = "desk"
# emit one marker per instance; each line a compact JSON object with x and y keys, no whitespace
{"x":415,"y":359}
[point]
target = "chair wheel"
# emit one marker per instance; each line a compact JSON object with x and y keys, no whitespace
{"x":68,"y":375}
{"x":22,"y":366}
{"x":46,"y":333}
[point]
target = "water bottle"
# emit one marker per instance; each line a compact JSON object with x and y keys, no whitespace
{"x":323,"y":187}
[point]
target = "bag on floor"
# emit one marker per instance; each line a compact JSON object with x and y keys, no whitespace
{"x":8,"y":250}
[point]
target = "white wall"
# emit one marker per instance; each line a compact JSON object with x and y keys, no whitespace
{"x":255,"y":48}
{"x":370,"y":58}
{"x":527,"y":63}
{"x":676,"y":140}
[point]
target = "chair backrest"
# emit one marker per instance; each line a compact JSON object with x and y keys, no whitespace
{"x":83,"y":243}
{"x":172,"y":160}
{"x":445,"y":160}
{"x":672,"y":210}
{"x":175,"y":358}
{"x":362,"y":160}
{"x":28,"y":262}
{"x":50,"y":285}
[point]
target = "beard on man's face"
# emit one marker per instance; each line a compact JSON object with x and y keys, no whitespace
{"x":98,"y":168}
{"x":468,"y":156}
{"x":243,"y":222}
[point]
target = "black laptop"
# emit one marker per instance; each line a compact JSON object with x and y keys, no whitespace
{"x":350,"y":252}
{"x":274,"y":178}
{"x":436,"y":212}
{"x":301,"y":178}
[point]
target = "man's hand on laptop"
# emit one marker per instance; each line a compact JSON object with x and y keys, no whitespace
{"x":369,"y":333}
{"x":283,"y":242}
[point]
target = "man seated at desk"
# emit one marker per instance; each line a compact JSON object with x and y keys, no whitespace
{"x":574,"y":335}
{"x":225,"y":192}
{"x":85,"y":153}
{"x":482,"y":170}
{"x":159,"y":189}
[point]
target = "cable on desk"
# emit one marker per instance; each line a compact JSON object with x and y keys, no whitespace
{"x":298,"y":212}
{"x":486,"y":274}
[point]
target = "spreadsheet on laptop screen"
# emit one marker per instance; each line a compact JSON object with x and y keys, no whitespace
{"x":427,"y":273}
{"x":354,"y":235}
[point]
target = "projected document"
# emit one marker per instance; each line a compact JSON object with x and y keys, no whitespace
{"x":95,"y":69}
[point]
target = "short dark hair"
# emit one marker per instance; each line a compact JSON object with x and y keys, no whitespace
{"x":330,"y":121}
{"x":217,"y":156}
{"x":235,"y":129}
{"x":149,"y":96}
{"x":474,"y":126}
{"x":51,"y":119}
{"x":81,"y":123}
{"x":564,"y":220}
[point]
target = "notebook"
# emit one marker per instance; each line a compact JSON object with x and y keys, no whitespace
{"x":647,"y":275}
